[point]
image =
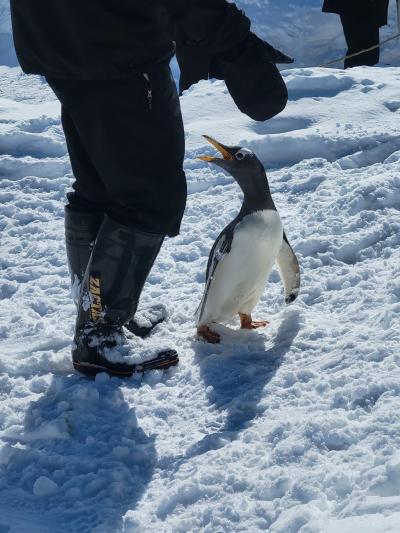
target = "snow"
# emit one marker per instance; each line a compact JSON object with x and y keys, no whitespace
{"x":294,"y":428}
{"x":290,"y":429}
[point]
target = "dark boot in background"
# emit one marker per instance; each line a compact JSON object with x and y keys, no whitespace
{"x":360,"y":34}
{"x":120,"y":262}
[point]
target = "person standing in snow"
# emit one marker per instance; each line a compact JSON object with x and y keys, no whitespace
{"x":108,"y":64}
{"x":361,"y":20}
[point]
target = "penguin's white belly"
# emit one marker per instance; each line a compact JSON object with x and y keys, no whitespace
{"x":240,"y":276}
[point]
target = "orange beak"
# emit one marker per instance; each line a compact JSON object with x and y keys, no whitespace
{"x":221,"y":149}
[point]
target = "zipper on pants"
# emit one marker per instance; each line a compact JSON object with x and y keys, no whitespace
{"x":149,"y":90}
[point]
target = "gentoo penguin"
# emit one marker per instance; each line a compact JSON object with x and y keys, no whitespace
{"x":244,"y":253}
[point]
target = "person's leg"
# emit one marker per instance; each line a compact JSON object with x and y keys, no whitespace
{"x":89,"y":193}
{"x":152,"y":193}
{"x":137,"y":151}
{"x":360,"y":34}
{"x":136,"y":144}
{"x":87,"y":202}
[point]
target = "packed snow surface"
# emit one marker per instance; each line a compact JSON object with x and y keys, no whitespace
{"x":291,"y":429}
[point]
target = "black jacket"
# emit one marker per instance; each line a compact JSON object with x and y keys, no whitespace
{"x":374,"y":10}
{"x":101,"y":39}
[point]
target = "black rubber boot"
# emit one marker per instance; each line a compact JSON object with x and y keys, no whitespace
{"x":80,"y":234}
{"x":81,"y":230}
{"x":120,"y":262}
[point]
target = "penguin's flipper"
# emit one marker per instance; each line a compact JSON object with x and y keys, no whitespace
{"x":289,"y":270}
{"x":222,"y":246}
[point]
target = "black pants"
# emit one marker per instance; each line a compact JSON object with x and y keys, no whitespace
{"x":126,"y":144}
{"x":360,"y":34}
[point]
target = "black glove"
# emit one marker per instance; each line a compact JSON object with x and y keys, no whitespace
{"x":253,"y":51}
{"x":252,"y":78}
{"x":276,"y":56}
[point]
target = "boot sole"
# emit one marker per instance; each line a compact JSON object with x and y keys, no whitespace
{"x":90,"y":369}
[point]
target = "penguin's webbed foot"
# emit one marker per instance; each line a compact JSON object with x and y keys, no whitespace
{"x":205,"y":333}
{"x":246,"y":322}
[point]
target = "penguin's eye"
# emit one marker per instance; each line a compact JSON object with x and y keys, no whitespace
{"x":242,"y":153}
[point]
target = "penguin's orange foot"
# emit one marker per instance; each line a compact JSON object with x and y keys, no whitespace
{"x":205,"y":333}
{"x":246,"y":322}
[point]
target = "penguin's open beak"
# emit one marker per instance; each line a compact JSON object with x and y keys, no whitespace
{"x":224,"y":150}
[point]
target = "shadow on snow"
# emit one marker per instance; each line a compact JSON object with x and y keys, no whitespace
{"x":238,"y":379}
{"x":83,"y":437}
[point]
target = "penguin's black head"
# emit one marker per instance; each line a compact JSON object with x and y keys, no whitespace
{"x":241,"y":163}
